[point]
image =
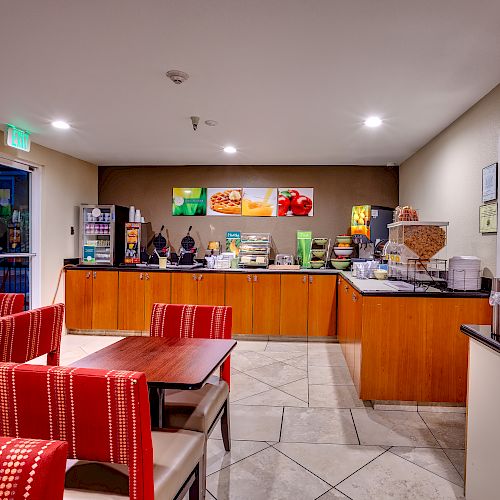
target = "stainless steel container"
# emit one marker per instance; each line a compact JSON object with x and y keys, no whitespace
{"x":495,"y":287}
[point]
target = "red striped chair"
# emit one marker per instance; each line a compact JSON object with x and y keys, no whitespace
{"x":104,"y":418}
{"x":26,"y":335}
{"x":196,"y":410}
{"x":11,"y":303}
{"x":32,"y":469}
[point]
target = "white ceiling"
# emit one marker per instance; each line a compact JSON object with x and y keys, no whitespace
{"x":289,"y":81}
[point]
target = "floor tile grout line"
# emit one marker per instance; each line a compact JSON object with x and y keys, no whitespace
{"x":355,"y":428}
{"x":352,"y":474}
{"x":258,"y":380}
{"x":305,"y":468}
{"x":241,"y":459}
{"x":430,"y":430}
{"x":418,"y":465}
{"x":336,"y":491}
{"x":281,"y":426}
{"x":461,"y":474}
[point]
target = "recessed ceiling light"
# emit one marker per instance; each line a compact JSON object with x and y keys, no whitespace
{"x":230,"y":149}
{"x":61,"y":124}
{"x":373,"y":121}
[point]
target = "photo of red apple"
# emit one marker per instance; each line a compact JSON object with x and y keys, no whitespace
{"x":295,"y":202}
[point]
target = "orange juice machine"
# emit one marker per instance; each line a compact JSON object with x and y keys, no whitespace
{"x":369,"y":228}
{"x":132,"y":243}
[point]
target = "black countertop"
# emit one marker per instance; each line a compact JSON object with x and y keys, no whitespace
{"x":483,"y":334}
{"x":367,"y":287}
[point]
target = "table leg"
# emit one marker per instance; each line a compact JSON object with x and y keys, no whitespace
{"x":156,"y":407}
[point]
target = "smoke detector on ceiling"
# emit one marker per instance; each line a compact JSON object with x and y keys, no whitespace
{"x":177,"y":76}
{"x":211,"y":123}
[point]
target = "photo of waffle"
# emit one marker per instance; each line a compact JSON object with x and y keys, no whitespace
{"x":224,"y":201}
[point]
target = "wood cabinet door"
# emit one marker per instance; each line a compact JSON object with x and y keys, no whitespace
{"x":357,"y":331}
{"x":78,"y":299}
{"x":105,"y":300}
{"x":343,"y":313}
{"x":322,"y":306}
{"x":239,"y":297}
{"x":211,"y":288}
{"x":293,"y":305}
{"x":156,"y":289}
{"x":184,"y":288}
{"x":266,"y":304}
{"x":130,"y":300}
{"x":350,"y":329}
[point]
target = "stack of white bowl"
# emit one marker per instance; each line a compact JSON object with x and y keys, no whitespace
{"x":464,"y":273}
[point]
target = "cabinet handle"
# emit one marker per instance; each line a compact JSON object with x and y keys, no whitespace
{"x":346,"y":288}
{"x":95,"y":275}
{"x":87,"y":276}
{"x":147,"y":276}
{"x":255,"y":278}
{"x":354,"y":298}
{"x":249,"y":278}
{"x":141,"y":276}
{"x":304,"y":279}
{"x":194,"y":277}
{"x":339,"y":281}
{"x":310,"y":279}
{"x":200,"y":277}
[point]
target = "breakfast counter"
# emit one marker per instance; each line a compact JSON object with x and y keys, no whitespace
{"x":483,"y":407}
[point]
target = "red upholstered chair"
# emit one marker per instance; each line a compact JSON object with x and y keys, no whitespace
{"x":196,"y":410}
{"x":32,"y":469}
{"x":11,"y":303}
{"x":29,"y":334}
{"x":104,"y":417}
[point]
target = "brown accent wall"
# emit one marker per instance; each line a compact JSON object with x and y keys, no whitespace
{"x":336,"y":189}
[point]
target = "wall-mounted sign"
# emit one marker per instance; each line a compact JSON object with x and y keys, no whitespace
{"x":259,"y":202}
{"x":295,"y":202}
{"x":224,"y":201}
{"x":490,"y":182}
{"x":17,"y":138}
{"x":189,"y":201}
{"x":488,"y":218}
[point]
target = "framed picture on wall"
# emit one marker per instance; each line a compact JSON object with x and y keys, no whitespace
{"x":488,"y":218}
{"x":490,"y":183}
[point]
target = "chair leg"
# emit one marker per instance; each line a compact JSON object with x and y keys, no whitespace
{"x":195,"y":492}
{"x":53,"y":358}
{"x":225,"y":425}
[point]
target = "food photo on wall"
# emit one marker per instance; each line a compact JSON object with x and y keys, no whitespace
{"x":296,"y":202}
{"x":189,"y":201}
{"x":259,"y":202}
{"x":224,"y":201}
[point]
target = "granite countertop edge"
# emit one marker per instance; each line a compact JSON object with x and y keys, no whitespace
{"x":357,"y":284}
{"x":483,"y":334}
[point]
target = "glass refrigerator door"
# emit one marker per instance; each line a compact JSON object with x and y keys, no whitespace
{"x":97,"y":232}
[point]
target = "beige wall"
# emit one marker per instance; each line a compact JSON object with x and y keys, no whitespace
{"x":336,"y":189}
{"x":443,"y":179}
{"x":66,"y":182}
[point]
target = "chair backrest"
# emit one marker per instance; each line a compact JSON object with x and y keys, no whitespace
{"x":36,"y":469}
{"x":29,"y":334}
{"x":103,"y":415}
{"x":192,"y":321}
{"x":11,"y":303}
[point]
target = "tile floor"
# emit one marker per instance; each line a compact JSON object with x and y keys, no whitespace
{"x":300,"y":432}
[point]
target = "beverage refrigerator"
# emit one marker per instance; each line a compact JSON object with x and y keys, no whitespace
{"x":102,"y":234}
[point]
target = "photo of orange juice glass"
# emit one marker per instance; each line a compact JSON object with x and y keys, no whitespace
{"x":259,"y":202}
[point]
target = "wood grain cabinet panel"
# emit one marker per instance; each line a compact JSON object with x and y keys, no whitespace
{"x":211,"y":289}
{"x":239,"y":295}
{"x":156,"y":289}
{"x":266,"y":304}
{"x":105,"y":300}
{"x":184,"y":288}
{"x":78,"y":299}
{"x":294,"y":305}
{"x":322,"y":306}
{"x":131,"y":288}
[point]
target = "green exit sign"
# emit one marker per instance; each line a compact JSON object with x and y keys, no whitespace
{"x":17,"y":138}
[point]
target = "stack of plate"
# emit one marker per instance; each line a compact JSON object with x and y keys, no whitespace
{"x":464,"y":273}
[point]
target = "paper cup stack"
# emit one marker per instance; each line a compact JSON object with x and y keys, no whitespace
{"x":464,"y":273}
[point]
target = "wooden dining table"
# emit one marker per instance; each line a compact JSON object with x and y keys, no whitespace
{"x":168,"y":363}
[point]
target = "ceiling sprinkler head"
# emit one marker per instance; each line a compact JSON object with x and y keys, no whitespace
{"x":177,"y":76}
{"x":195,"y":120}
